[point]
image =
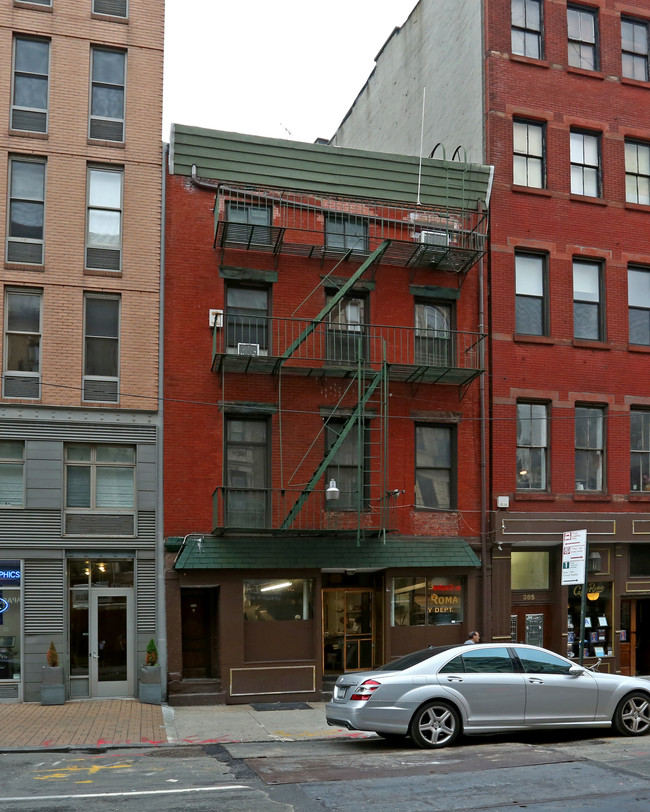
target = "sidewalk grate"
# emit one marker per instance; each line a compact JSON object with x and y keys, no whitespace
{"x":280,"y":706}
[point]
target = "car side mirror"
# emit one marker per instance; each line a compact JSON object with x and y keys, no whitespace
{"x":576,"y":670}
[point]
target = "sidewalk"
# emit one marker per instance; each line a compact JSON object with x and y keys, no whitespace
{"x":111,"y":723}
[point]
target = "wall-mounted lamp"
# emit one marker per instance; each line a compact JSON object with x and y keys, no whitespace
{"x":594,"y":562}
{"x":332,"y":492}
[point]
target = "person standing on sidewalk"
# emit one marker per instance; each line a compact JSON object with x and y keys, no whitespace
{"x":472,"y":637}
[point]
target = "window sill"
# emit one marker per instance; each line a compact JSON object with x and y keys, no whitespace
{"x":99,"y":142}
{"x":596,"y":201}
{"x":109,"y":18}
{"x":591,"y":497}
{"x":20,"y":266}
{"x":530,"y":190}
{"x":530,"y":60}
{"x":28,"y":134}
{"x":526,"y":339}
{"x":639,"y":496}
{"x":638,"y":348}
{"x":588,"y":344}
{"x":626,"y":80}
{"x":636,"y":206}
{"x":534,"y":496}
{"x":32,"y":6}
{"x":592,"y":74}
{"x":96,"y":272}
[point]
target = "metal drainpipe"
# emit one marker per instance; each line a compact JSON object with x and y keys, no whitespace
{"x":485,"y":570}
{"x":161,"y":612}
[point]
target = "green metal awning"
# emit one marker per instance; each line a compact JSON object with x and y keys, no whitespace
{"x":216,"y":552}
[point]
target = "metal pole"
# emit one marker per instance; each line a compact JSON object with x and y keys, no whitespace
{"x":583,"y":607}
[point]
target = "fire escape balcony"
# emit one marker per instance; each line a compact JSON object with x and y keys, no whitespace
{"x":260,"y":344}
{"x":263,"y":511}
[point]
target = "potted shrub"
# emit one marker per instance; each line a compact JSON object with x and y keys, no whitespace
{"x":52,"y":684}
{"x":150,"y":691}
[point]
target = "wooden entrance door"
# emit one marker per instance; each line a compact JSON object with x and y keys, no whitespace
{"x":634,"y":653}
{"x":531,"y":624}
{"x":198,"y":619}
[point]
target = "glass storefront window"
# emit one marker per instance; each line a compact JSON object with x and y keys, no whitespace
{"x":421,"y":601}
{"x":598,"y":620}
{"x":279,"y":599}
{"x":639,"y":560}
{"x":529,"y":570}
{"x":111,"y":572}
{"x":10,"y":612}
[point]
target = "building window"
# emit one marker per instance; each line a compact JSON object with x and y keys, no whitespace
{"x":434,"y":467}
{"x":26,"y":211}
{"x":346,"y":334}
{"x":582,"y":26}
{"x":529,"y":570}
{"x":639,"y":450}
{"x":247,"y":320}
{"x":104,"y":219}
{"x":350,"y":466}
{"x":532,"y":446}
{"x":112,"y":8}
{"x":637,"y":173}
{"x":530,"y":295}
{"x":421,"y":601}
{"x":433,"y":335}
{"x":585,"y":164}
{"x":638,"y":297}
{"x":634,"y":47}
{"x":248,"y":224}
{"x":279,"y":599}
{"x":247,"y":473}
{"x":107,"y":87}
{"x":12,"y":473}
{"x":101,"y":348}
{"x":589,"y":448}
{"x":526,"y":31}
{"x":100,"y":477}
{"x":587,"y":310}
{"x":12,"y":620}
{"x":639,"y":560}
{"x":528,"y":154}
{"x":22,"y":352}
{"x":346,"y":232}
{"x":30,"y":87}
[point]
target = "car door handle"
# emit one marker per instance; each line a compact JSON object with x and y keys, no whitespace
{"x":454,"y":679}
{"x":536,"y":680}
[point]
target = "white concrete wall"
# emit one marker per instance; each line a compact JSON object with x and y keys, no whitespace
{"x":440,"y":48}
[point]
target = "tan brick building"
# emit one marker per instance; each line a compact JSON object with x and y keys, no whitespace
{"x":80,"y":215}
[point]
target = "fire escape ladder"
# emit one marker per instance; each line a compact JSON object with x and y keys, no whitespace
{"x":353,"y":419}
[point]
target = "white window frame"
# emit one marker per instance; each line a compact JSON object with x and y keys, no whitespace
{"x":524,"y":27}
{"x":528,"y":154}
{"x":11,"y":377}
{"x":634,"y":58}
{"x":107,"y":128}
{"x":638,"y":298}
{"x":585,"y":164}
{"x":593,"y":300}
{"x":532,"y":442}
{"x":103,"y":256}
{"x":637,"y":172}
{"x":29,"y":119}
{"x":582,"y":42}
{"x":96,"y":385}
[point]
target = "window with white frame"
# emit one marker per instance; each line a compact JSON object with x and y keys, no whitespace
{"x":104,"y":218}
{"x":532,"y":446}
{"x":99,"y":477}
{"x":530,"y":294}
{"x":582,"y":24}
{"x":526,"y":28}
{"x":634,"y":49}
{"x":25,"y":228}
{"x":12,"y":473}
{"x":30,"y":88}
{"x":346,"y":232}
{"x":435,"y":467}
{"x":589,"y":448}
{"x":585,"y":164}
{"x":101,"y":348}
{"x":107,"y":90}
{"x":640,"y":450}
{"x":112,"y":8}
{"x":637,"y":172}
{"x":638,"y":297}
{"x":587,"y":300}
{"x":22,"y":350}
{"x":528,"y":154}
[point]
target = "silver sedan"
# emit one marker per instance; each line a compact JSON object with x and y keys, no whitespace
{"x":435,"y":694}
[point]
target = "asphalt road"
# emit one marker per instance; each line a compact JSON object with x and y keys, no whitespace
{"x":549,"y":772}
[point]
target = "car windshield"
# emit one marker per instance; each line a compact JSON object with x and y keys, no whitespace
{"x":413,"y":659}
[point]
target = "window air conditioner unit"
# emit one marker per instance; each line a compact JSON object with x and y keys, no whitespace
{"x":248,"y":349}
{"x":434,"y":237}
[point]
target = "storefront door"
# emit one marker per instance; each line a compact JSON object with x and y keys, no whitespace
{"x":529,"y":625}
{"x":347,"y":629}
{"x":110,"y":646}
{"x":634,"y":645}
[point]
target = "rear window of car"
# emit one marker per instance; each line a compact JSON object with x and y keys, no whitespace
{"x":414,"y":658}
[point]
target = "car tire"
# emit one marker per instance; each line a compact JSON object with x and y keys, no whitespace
{"x":632,"y":716}
{"x":435,"y":725}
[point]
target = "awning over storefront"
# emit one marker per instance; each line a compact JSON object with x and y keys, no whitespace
{"x":212,"y":552}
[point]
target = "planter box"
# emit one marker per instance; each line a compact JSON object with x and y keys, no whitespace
{"x":52,"y":686}
{"x":150,"y":688}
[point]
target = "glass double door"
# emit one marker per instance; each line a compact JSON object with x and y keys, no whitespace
{"x":347,"y":630}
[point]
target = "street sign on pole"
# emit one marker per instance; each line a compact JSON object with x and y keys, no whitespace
{"x":574,"y":557}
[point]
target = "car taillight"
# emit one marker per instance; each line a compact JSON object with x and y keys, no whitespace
{"x":366,"y":689}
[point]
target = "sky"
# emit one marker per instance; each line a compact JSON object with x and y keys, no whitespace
{"x":284,"y":69}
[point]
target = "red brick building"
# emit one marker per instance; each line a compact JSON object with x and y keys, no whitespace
{"x":556,"y":96}
{"x":323,"y":433}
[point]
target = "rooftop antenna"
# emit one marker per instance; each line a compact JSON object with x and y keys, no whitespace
{"x":424,"y":97}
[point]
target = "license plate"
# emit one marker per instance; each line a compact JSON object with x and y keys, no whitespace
{"x":339,"y":691}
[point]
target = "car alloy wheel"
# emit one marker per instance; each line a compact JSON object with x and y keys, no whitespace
{"x":436,"y":724}
{"x":632,"y":716}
